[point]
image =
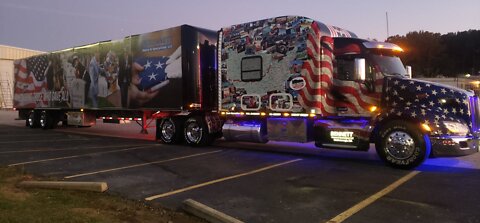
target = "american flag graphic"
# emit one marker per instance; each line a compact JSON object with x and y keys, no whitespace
{"x":431,"y":103}
{"x":154,"y":71}
{"x":30,"y":79}
{"x":318,"y":71}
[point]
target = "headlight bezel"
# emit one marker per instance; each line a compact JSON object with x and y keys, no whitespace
{"x":456,"y":128}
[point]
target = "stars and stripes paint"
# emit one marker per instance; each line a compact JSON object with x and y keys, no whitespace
{"x":431,"y":103}
{"x":320,"y":81}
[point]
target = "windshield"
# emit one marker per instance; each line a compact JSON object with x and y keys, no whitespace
{"x":389,"y":65}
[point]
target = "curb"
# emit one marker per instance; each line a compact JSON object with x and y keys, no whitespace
{"x":211,"y":215}
{"x":64,"y":185}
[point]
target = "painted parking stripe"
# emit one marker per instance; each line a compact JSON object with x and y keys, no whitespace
{"x":141,"y":164}
{"x":78,"y":149}
{"x":44,"y":140}
{"x":356,"y":208}
{"x":220,"y":180}
{"x":76,"y":156}
{"x":28,"y":135}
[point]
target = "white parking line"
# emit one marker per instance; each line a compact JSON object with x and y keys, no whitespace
{"x":76,"y":156}
{"x":28,"y":135}
{"x":356,"y":208}
{"x":141,"y":164}
{"x":44,"y":140}
{"x":78,"y":149}
{"x":219,"y":180}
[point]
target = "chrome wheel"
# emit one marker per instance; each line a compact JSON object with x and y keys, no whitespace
{"x":400,"y":145}
{"x":193,"y":132}
{"x":168,"y":130}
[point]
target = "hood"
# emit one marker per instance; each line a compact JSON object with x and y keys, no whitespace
{"x":436,"y":102}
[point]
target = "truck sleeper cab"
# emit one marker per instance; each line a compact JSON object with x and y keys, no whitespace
{"x":323,"y":84}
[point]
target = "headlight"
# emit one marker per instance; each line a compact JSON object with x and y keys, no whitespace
{"x":457,"y":128}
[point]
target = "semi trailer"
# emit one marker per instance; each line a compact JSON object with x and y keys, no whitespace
{"x":288,"y":78}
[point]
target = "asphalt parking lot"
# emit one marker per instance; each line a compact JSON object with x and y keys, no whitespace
{"x":250,"y":182}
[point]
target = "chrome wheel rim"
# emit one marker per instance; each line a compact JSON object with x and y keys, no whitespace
{"x":400,"y":145}
{"x":168,"y":130}
{"x":193,"y":132}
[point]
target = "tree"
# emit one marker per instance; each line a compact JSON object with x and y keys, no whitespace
{"x":424,"y":51}
{"x":432,"y":54}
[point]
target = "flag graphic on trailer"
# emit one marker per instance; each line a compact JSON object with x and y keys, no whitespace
{"x":154,"y":73}
{"x":38,"y":67}
{"x":30,"y":82}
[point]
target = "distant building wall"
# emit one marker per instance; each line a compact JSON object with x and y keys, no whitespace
{"x":7,"y":55}
{"x":464,"y":83}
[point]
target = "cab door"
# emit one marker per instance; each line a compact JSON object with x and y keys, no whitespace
{"x":353,"y":95}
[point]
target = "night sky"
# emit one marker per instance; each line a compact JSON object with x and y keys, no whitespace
{"x":57,"y":24}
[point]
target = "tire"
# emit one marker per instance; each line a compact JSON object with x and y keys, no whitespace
{"x":196,"y":132}
{"x":32,"y":120}
{"x":402,"y":145}
{"x":170,"y":131}
{"x":45,"y":120}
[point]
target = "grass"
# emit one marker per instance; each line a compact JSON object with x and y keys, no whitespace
{"x":40,"y":205}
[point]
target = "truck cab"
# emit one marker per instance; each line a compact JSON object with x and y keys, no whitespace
{"x":377,"y":101}
{"x":342,"y":92}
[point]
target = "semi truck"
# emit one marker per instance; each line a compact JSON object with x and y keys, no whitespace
{"x":288,"y":78}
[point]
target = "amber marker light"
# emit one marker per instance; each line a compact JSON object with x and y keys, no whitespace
{"x":373,"y":108}
{"x":263,"y":114}
{"x":286,"y":114}
{"x":426,"y":127}
{"x":397,"y":48}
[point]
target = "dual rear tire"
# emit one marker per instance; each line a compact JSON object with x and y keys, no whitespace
{"x":192,"y":130}
{"x":41,"y":119}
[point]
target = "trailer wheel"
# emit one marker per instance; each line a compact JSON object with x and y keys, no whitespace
{"x":32,"y":121}
{"x":196,"y":132}
{"x":46,"y":120}
{"x":170,"y":131}
{"x":402,"y":145}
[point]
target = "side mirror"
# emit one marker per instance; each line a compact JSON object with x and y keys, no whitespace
{"x":360,"y":69}
{"x":409,"y":71}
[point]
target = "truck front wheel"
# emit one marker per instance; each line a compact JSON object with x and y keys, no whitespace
{"x":196,"y":132}
{"x":401,"y":145}
{"x":170,"y":130}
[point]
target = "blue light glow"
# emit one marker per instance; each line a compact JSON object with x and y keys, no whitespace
{"x":249,"y":123}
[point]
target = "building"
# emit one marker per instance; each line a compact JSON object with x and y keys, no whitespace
{"x":7,"y":55}
{"x":467,"y":83}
